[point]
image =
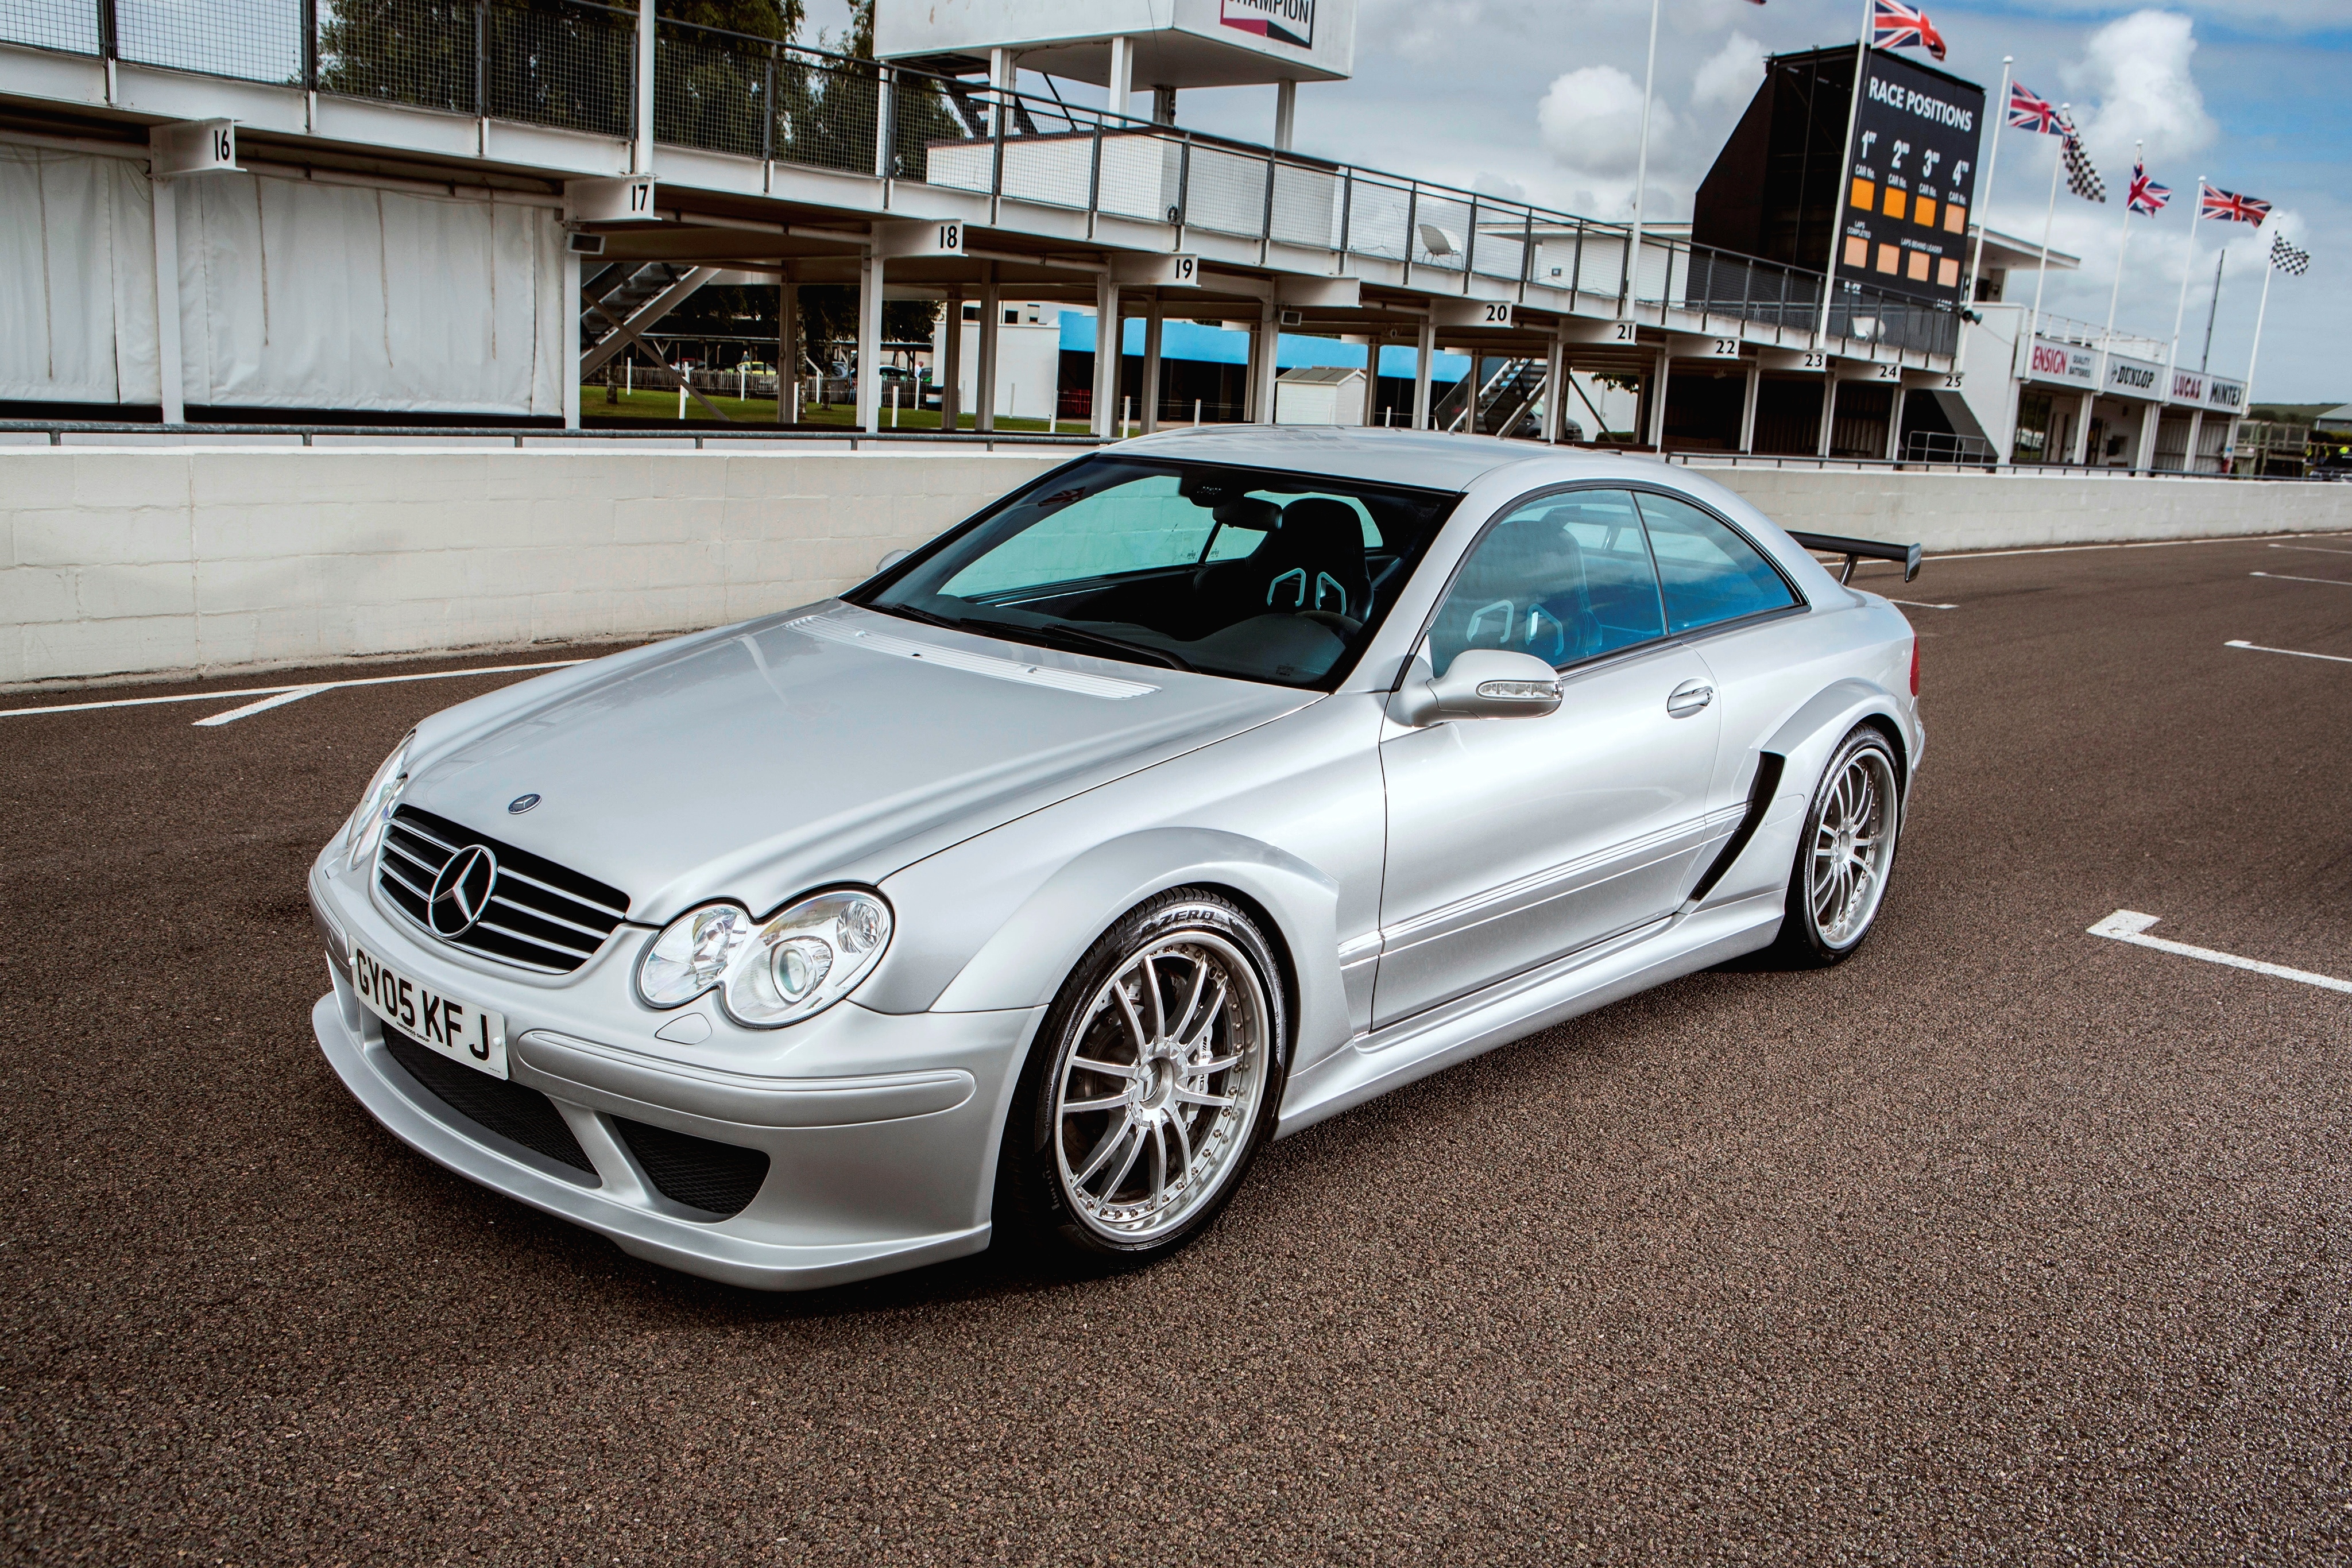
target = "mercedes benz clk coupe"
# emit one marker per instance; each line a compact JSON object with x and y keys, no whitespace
{"x":1210,"y":785}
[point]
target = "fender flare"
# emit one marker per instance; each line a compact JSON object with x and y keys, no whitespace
{"x":1804,"y":740}
{"x":1025,"y":960}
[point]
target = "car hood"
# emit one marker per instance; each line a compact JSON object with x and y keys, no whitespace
{"x":838,"y":745}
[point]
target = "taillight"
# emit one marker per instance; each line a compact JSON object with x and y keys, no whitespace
{"x":1914,"y":666}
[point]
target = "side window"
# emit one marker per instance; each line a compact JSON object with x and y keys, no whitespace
{"x":1135,"y":527}
{"x":1708,"y":573}
{"x":1566,"y":578}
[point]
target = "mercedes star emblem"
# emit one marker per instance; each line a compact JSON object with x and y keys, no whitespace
{"x":462,"y":892}
{"x":521,"y":804}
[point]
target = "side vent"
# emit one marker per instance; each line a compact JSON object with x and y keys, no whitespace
{"x":1768,"y":764}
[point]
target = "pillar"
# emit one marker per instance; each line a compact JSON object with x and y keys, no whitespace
{"x":1108,"y":348}
{"x":2081,"y":453}
{"x":869,"y":341}
{"x":1828,"y":413}
{"x":1425,"y":351}
{"x":950,"y":366}
{"x":1151,"y":364}
{"x":1122,"y":74}
{"x":2144,"y":456}
{"x":167,"y":307}
{"x":1555,"y":387}
{"x":1163,"y":106}
{"x":788,"y":347}
{"x":1747,"y":409}
{"x":641,"y":159}
{"x":570,"y":340}
{"x":1285,"y":112}
{"x":1373,"y":379}
{"x":2188,"y":452}
{"x":983,"y":375}
{"x":1269,"y":361}
{"x":1657,"y":431}
{"x":1895,"y":422}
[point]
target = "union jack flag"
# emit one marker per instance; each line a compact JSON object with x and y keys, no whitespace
{"x":2028,"y":112}
{"x":2148,"y":197}
{"x":2229,"y":207}
{"x":1895,"y":26}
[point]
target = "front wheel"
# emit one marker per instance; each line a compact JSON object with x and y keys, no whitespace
{"x":1847,"y":853}
{"x":1151,"y":1083}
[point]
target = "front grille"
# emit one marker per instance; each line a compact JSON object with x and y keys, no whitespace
{"x":498,"y":1105}
{"x":717,"y":1178}
{"x":541,"y":915}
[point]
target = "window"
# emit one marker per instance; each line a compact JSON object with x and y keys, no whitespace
{"x":1012,"y":315}
{"x":1244,"y":572}
{"x":1565,"y":577}
{"x":970,"y":311}
{"x":1708,"y":572}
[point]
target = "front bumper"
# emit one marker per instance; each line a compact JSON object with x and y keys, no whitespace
{"x":881,"y":1130}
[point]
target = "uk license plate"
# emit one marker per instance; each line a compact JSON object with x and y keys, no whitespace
{"x":458,"y":1029}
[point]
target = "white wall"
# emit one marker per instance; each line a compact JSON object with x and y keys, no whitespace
{"x":120,"y":562}
{"x":1028,"y":360}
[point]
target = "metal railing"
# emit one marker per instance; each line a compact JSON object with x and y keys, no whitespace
{"x":104,"y":432}
{"x":571,"y":63}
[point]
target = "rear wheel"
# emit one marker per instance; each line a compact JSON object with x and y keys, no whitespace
{"x":1847,"y":853}
{"x":1152,"y":1082}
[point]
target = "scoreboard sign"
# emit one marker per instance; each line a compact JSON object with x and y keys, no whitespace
{"x":1903,"y":227}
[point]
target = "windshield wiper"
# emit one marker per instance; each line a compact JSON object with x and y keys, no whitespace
{"x":1096,"y":641}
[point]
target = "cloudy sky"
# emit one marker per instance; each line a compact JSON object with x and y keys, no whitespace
{"x":1541,"y":98}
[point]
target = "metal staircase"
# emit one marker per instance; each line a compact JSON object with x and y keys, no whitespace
{"x":1505,"y":403}
{"x":624,"y":288}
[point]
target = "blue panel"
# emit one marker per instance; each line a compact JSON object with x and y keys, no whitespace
{"x":1183,"y":340}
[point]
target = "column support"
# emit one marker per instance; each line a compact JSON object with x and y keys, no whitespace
{"x":950,"y":366}
{"x":983,"y":376}
{"x":1122,"y":74}
{"x":2144,"y":457}
{"x":1108,"y":348}
{"x":1657,"y":431}
{"x":2188,"y":452}
{"x":572,"y":308}
{"x":169,"y":375}
{"x":2082,"y":453}
{"x":1425,"y":351}
{"x":1151,"y":363}
{"x":788,"y":347}
{"x":1895,"y":422}
{"x":1555,"y":388}
{"x":1373,"y":379}
{"x":1828,"y":413}
{"x":641,"y":159}
{"x":1285,"y":112}
{"x":1269,"y":362}
{"x":869,"y":341}
{"x":1747,"y":409}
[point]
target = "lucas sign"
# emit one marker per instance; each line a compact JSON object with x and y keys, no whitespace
{"x":1284,"y":21}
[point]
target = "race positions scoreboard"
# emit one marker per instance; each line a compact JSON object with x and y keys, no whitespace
{"x":1910,"y":181}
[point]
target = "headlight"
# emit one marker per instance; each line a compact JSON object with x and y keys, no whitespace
{"x":376,"y":806}
{"x":794,"y":963}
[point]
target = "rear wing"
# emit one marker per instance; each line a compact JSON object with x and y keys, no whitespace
{"x":1860,"y":549}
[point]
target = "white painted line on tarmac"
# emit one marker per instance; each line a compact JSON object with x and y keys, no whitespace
{"x":2290,"y":652}
{"x":1916,"y":605}
{"x":2281,"y":577}
{"x":2129,"y":925}
{"x":305,"y":690}
{"x":264,"y":705}
{"x":1942,"y":556}
{"x":2314,"y":549}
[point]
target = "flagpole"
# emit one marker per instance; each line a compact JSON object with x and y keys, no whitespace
{"x":2114,"y":294}
{"x":2180,"y":311}
{"x":2034,"y":322}
{"x":2254,"y":356}
{"x":1984,"y":186}
{"x":1844,"y":183}
{"x":1642,"y":176}
{"x":2205,"y":359}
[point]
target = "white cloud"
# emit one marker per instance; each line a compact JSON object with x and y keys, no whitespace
{"x":2135,"y":70}
{"x":1591,"y":121}
{"x":1729,"y":76}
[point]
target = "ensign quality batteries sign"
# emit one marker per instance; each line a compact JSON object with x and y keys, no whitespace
{"x":1284,"y":21}
{"x":1911,"y":181}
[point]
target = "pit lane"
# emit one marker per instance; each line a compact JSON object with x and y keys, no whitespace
{"x":2002,"y":1242}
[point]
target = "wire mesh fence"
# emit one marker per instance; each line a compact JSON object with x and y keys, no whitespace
{"x":70,"y":25}
{"x":423,"y":53}
{"x":562,"y":64}
{"x":250,"y":40}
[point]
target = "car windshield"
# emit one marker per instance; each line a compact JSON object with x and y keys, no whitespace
{"x":1231,"y":572}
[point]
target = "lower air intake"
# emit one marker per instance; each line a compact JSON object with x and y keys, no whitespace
{"x":498,"y":1105}
{"x":717,"y":1178}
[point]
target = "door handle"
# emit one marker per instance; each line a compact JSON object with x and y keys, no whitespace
{"x":1688,"y":698}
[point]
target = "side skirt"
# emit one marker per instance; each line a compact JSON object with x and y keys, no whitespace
{"x":1388,"y":1059}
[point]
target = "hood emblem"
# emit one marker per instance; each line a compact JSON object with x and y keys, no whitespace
{"x":521,"y":803}
{"x":461,"y":894}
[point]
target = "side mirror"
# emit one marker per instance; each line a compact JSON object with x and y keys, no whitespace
{"x":1481,"y":683}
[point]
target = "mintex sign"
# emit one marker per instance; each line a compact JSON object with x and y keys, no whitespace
{"x":1284,"y":21}
{"x":2067,"y":362}
{"x":2229,"y":397}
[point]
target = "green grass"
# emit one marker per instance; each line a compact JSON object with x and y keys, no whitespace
{"x":655,"y":406}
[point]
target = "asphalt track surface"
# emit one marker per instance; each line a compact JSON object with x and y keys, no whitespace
{"x":2001,"y":1243}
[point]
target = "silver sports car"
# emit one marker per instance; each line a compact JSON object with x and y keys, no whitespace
{"x":1208,"y":786}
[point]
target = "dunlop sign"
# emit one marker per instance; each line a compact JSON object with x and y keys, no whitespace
{"x":2134,"y":378}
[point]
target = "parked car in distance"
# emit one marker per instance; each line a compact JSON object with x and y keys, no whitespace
{"x":1210,"y":785}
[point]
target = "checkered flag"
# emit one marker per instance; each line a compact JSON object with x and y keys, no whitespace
{"x":2081,"y":178}
{"x":2287,"y":259}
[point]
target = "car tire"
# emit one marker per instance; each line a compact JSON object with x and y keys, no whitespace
{"x":1138,"y":1111}
{"x":1845,"y":857}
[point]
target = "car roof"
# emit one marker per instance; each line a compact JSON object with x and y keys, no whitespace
{"x":1429,"y":459}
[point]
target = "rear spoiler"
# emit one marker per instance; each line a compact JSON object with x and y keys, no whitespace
{"x":1860,"y":549}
